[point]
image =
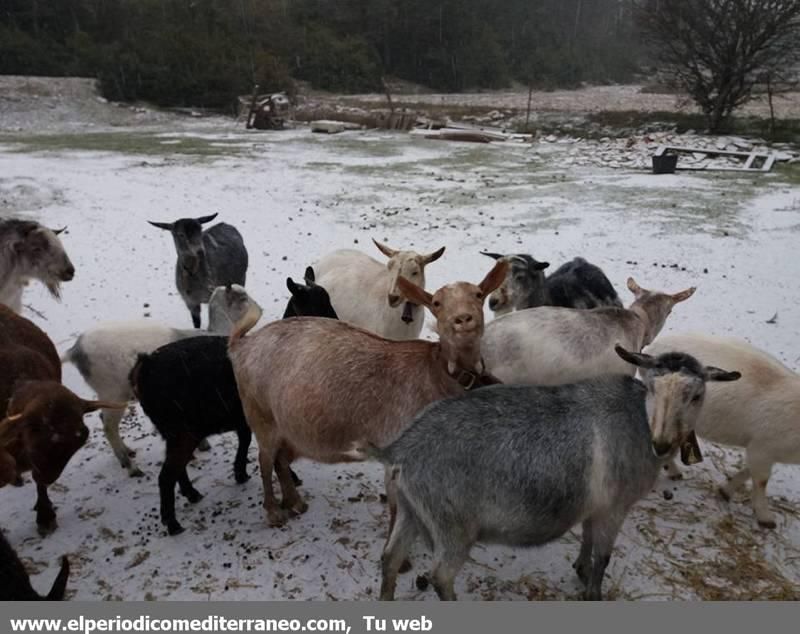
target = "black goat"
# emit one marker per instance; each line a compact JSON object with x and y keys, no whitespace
{"x":16,"y":585}
{"x":188,"y":390}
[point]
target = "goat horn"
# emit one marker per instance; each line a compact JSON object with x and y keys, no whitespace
{"x":496,"y":256}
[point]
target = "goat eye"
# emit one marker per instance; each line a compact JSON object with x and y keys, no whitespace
{"x":414,"y":274}
{"x":437,"y":304}
{"x":479,"y":295}
{"x":697,"y":398}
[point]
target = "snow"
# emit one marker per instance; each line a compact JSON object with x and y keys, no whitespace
{"x":296,"y":196}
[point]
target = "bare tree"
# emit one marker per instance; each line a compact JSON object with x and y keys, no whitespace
{"x":717,"y":50}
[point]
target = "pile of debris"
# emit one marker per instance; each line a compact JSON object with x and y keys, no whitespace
{"x":636,"y":152}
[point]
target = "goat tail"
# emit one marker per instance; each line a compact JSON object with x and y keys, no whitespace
{"x":133,"y":375}
{"x":362,"y":450}
{"x":246,"y":323}
{"x":60,"y":584}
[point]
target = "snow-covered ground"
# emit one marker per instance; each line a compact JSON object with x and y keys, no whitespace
{"x":296,"y":196}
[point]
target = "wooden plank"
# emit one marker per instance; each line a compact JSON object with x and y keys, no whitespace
{"x":690,"y":150}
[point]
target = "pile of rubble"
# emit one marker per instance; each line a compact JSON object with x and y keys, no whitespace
{"x":636,"y":151}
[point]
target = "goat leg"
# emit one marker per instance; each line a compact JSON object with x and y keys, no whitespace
{"x":45,"y":513}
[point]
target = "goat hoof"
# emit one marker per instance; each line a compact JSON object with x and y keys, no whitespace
{"x":582,"y":571}
{"x":298,"y":508}
{"x":405,"y":566}
{"x":771,"y":524}
{"x":241,"y":477}
{"x":723,"y":493}
{"x":592,"y":595}
{"x":46,"y":527}
{"x":193,"y":496}
{"x":277,"y":517}
{"x":173,"y":528}
{"x":136,"y":472}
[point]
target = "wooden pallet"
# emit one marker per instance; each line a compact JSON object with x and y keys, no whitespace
{"x":753,"y":161}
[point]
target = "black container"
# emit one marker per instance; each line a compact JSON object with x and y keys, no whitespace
{"x":665,"y":164}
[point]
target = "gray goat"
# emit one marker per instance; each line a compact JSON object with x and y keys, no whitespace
{"x":521,"y":465}
{"x":206,"y":259}
{"x":575,"y":284}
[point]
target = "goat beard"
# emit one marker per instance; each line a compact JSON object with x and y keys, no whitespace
{"x":408,"y":314}
{"x":54,"y":286}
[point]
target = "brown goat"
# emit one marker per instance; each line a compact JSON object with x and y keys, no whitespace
{"x":315,"y":388}
{"x":43,"y":425}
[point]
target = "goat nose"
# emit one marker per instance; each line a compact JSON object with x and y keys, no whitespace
{"x":661,"y":448}
{"x":463,"y":319}
{"x":69,"y":273}
{"x":394,"y":300}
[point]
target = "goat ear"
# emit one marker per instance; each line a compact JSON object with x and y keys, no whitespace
{"x":309,"y":276}
{"x":59,"y":231}
{"x":635,"y":358}
{"x":432,"y":257}
{"x":634,"y":288}
{"x":496,"y":256}
{"x":414,"y":293}
{"x":92,"y":406}
{"x":717,"y":374}
{"x":539,"y":266}
{"x":387,"y":251}
{"x":168,"y":226}
{"x":690,"y":450}
{"x":204,"y":219}
{"x":293,"y":286}
{"x":494,"y":278}
{"x":683,"y":295}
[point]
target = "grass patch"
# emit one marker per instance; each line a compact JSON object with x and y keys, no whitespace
{"x":124,"y":143}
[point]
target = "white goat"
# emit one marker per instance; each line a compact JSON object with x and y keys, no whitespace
{"x":105,"y":355}
{"x":365,"y":293}
{"x":29,"y":250}
{"x":552,"y":346}
{"x":761,"y":413}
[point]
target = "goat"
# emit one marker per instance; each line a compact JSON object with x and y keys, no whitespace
{"x":314,"y":386}
{"x":575,"y":284}
{"x":308,"y":299}
{"x":16,"y":584}
{"x":762,"y":415}
{"x":30,"y":250}
{"x":367,"y":294}
{"x":552,"y":346}
{"x":206,"y":259}
{"x":106,"y":353}
{"x":43,"y":425}
{"x":521,"y":465}
{"x":188,"y":390}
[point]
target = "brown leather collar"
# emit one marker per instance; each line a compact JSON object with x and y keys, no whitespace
{"x":471,"y":380}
